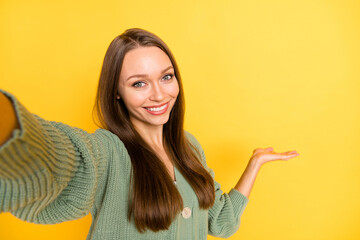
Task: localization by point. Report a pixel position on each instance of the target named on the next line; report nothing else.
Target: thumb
(269, 149)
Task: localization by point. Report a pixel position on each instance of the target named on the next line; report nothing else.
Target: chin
(160, 121)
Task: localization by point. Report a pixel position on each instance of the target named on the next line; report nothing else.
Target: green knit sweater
(51, 172)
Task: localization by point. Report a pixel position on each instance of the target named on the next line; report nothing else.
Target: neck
(153, 135)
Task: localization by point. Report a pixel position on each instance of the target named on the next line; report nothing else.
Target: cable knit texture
(51, 172)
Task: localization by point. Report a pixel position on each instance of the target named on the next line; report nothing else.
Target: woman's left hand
(264, 155)
(259, 157)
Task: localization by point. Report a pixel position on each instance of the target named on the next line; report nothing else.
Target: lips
(158, 109)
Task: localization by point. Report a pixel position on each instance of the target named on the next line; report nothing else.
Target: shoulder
(101, 141)
(109, 138)
(192, 139)
(107, 135)
(195, 144)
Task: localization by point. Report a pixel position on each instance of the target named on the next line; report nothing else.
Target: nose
(156, 93)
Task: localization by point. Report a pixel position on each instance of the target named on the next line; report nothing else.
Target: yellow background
(256, 73)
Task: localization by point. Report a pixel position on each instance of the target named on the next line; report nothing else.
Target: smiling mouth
(158, 110)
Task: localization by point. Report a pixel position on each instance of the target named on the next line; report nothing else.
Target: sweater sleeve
(224, 215)
(48, 170)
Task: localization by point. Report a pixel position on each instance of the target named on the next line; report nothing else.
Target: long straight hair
(154, 199)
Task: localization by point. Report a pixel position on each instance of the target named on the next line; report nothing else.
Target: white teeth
(157, 109)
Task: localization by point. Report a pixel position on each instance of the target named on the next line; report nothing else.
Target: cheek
(175, 90)
(133, 100)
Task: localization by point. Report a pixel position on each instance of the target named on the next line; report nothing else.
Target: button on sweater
(51, 172)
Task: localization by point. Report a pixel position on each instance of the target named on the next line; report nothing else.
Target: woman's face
(148, 86)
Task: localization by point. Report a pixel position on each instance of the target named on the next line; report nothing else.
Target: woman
(141, 177)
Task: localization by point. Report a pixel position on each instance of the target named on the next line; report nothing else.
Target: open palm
(264, 155)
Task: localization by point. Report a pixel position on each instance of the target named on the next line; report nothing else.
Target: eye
(168, 76)
(138, 84)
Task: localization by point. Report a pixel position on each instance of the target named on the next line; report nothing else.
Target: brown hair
(154, 199)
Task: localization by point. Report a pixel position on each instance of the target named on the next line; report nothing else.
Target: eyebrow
(145, 75)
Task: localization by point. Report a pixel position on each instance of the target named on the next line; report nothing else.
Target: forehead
(144, 60)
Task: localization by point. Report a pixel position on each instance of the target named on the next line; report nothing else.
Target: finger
(283, 157)
(290, 152)
(269, 149)
(294, 153)
(285, 154)
(290, 155)
(263, 149)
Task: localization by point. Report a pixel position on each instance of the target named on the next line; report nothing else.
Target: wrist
(255, 163)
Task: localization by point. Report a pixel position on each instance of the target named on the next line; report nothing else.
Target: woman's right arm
(8, 121)
(49, 171)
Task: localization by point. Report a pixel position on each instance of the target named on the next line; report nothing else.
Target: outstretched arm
(259, 157)
(8, 121)
(224, 215)
(49, 171)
